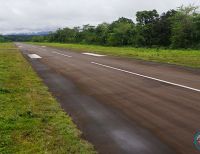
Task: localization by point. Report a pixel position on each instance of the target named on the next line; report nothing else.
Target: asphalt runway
(123, 105)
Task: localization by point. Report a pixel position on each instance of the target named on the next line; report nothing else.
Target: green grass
(190, 58)
(31, 121)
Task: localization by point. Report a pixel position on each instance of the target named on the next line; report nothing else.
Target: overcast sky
(18, 16)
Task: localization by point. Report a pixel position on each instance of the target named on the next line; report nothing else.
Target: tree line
(178, 28)
(16, 38)
(3, 39)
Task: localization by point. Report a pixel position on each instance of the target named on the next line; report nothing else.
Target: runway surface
(123, 105)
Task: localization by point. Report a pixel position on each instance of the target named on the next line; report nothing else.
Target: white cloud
(41, 15)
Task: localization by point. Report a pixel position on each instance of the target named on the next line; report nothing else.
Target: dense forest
(3, 39)
(175, 29)
(16, 38)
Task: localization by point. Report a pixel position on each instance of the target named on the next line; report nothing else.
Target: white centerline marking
(93, 54)
(148, 77)
(62, 54)
(34, 56)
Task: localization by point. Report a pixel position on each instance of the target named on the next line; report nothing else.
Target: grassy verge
(190, 58)
(31, 121)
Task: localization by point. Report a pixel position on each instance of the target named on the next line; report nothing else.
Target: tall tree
(146, 21)
(162, 29)
(146, 17)
(88, 34)
(121, 32)
(102, 33)
(183, 27)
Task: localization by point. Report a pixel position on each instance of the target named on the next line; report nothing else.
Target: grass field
(190, 58)
(31, 121)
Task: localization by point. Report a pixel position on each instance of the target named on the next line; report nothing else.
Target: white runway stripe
(148, 77)
(34, 56)
(93, 54)
(62, 54)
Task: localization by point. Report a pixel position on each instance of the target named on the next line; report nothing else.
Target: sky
(24, 16)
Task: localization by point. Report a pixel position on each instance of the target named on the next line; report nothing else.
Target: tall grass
(31, 121)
